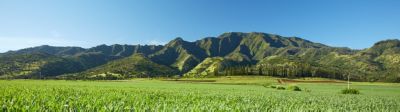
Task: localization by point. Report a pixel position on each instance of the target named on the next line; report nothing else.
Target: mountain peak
(231, 34)
(178, 39)
(176, 42)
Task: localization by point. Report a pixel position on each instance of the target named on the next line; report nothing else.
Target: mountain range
(232, 53)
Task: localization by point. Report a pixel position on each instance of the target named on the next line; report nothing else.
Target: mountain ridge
(246, 50)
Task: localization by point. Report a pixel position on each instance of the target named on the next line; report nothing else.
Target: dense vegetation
(231, 53)
(36, 95)
(135, 66)
(350, 91)
(49, 62)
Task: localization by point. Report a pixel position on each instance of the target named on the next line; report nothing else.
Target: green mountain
(386, 55)
(237, 46)
(233, 53)
(35, 65)
(49, 61)
(102, 54)
(179, 54)
(136, 65)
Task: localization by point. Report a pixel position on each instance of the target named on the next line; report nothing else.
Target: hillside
(49, 61)
(209, 67)
(35, 65)
(136, 65)
(252, 53)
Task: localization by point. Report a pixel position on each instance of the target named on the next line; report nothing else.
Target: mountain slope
(136, 65)
(48, 61)
(209, 67)
(241, 47)
(102, 54)
(256, 46)
(35, 65)
(386, 54)
(232, 53)
(179, 54)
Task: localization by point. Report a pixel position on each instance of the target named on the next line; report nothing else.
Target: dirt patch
(282, 81)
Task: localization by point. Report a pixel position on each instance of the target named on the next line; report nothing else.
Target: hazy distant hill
(233, 53)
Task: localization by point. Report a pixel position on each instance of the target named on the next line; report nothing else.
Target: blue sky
(345, 23)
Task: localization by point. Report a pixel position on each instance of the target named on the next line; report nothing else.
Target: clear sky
(87, 23)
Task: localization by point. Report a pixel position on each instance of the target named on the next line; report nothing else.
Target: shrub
(294, 88)
(273, 86)
(280, 88)
(350, 91)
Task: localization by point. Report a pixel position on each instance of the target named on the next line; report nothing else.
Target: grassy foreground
(217, 95)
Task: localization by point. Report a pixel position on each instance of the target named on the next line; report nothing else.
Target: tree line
(290, 70)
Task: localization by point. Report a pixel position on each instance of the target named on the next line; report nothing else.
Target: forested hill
(233, 53)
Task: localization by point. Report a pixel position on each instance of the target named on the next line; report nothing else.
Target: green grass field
(214, 94)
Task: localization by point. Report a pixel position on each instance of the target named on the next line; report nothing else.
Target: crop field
(219, 94)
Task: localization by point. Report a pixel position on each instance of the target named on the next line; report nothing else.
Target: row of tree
(290, 70)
